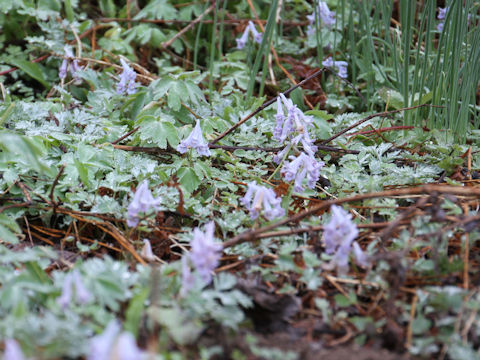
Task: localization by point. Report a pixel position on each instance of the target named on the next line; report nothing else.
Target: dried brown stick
(189, 26)
(369, 117)
(176, 21)
(157, 150)
(55, 182)
(114, 232)
(378, 225)
(264, 106)
(126, 135)
(419, 190)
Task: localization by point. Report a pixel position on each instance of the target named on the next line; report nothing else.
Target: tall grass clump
(404, 53)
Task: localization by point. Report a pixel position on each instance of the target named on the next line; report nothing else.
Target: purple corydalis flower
(326, 17)
(69, 61)
(295, 120)
(242, 40)
(70, 281)
(341, 66)
(101, 344)
(126, 348)
(112, 345)
(300, 167)
(205, 252)
(441, 13)
(127, 80)
(142, 201)
(257, 36)
(194, 140)
(147, 252)
(341, 229)
(13, 351)
(188, 280)
(339, 235)
(258, 197)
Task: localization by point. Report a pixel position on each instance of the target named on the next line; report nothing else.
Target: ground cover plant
(260, 179)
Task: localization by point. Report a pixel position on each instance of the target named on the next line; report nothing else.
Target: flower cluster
(204, 256)
(442, 12)
(265, 198)
(341, 66)
(300, 167)
(326, 16)
(72, 280)
(293, 128)
(127, 80)
(142, 202)
(338, 238)
(194, 140)
(111, 345)
(69, 62)
(242, 40)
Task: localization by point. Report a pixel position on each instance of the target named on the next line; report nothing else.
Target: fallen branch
(369, 117)
(428, 189)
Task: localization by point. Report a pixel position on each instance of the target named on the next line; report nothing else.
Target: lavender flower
(205, 253)
(62, 72)
(101, 345)
(194, 140)
(341, 66)
(69, 62)
(242, 40)
(147, 252)
(300, 167)
(72, 280)
(126, 348)
(295, 120)
(442, 12)
(13, 351)
(188, 280)
(127, 80)
(338, 237)
(257, 36)
(142, 201)
(265, 198)
(326, 16)
(110, 345)
(441, 16)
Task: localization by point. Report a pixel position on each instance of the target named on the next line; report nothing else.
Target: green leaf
(188, 179)
(159, 132)
(134, 312)
(37, 273)
(31, 69)
(177, 91)
(7, 236)
(22, 149)
(82, 172)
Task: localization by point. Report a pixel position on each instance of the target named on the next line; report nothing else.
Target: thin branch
(55, 182)
(420, 190)
(125, 136)
(188, 27)
(176, 21)
(369, 117)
